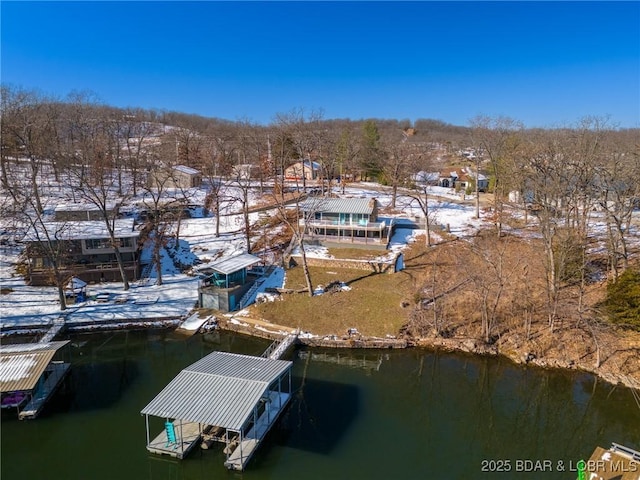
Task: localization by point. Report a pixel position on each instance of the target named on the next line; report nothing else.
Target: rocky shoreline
(523, 357)
(256, 328)
(464, 345)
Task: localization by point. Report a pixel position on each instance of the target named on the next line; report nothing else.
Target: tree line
(563, 176)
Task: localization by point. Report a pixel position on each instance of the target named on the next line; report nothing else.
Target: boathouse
(224, 283)
(29, 376)
(224, 397)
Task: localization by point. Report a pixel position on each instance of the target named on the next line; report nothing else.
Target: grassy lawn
(356, 253)
(373, 305)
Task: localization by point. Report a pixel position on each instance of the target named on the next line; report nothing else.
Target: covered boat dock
(225, 397)
(29, 376)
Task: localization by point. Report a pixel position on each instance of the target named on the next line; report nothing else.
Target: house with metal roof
(224, 397)
(83, 249)
(224, 283)
(339, 221)
(30, 375)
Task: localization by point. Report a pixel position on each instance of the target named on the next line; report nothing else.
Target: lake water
(408, 414)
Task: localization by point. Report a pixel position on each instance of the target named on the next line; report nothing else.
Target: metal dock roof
(221, 389)
(21, 365)
(234, 264)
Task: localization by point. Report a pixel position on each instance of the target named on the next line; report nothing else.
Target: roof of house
(220, 389)
(21, 365)
(339, 205)
(187, 170)
(308, 164)
(80, 230)
(465, 173)
(82, 207)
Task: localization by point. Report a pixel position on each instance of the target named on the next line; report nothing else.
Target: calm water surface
(355, 415)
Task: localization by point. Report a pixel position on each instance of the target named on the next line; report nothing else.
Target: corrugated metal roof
(339, 205)
(187, 170)
(76, 230)
(234, 264)
(220, 389)
(21, 365)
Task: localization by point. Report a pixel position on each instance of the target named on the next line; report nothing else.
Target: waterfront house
(82, 249)
(344, 221)
(224, 283)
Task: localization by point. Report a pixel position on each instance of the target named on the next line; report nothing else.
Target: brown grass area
(460, 274)
(373, 305)
(356, 253)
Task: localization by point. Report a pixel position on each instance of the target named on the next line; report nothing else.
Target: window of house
(126, 242)
(97, 243)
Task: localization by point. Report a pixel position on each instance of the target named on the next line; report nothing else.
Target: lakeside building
(82, 249)
(355, 221)
(225, 284)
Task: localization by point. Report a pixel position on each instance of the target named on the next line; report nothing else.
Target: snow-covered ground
(25, 305)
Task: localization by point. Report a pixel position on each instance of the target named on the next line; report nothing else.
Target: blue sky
(543, 63)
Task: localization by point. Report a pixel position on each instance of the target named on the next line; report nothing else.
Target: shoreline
(466, 345)
(269, 331)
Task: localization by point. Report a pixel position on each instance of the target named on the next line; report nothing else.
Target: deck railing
(349, 225)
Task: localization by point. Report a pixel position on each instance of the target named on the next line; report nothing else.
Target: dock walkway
(56, 327)
(249, 444)
(278, 348)
(187, 436)
(55, 373)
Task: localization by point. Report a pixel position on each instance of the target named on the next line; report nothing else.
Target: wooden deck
(617, 463)
(56, 372)
(188, 435)
(249, 444)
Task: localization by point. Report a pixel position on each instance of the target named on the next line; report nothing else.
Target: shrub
(623, 299)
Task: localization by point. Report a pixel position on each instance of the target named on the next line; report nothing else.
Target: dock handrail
(615, 447)
(278, 347)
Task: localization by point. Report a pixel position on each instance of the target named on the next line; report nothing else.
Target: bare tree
(346, 154)
(305, 137)
(490, 276)
(619, 194)
(396, 165)
(47, 242)
(499, 139)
